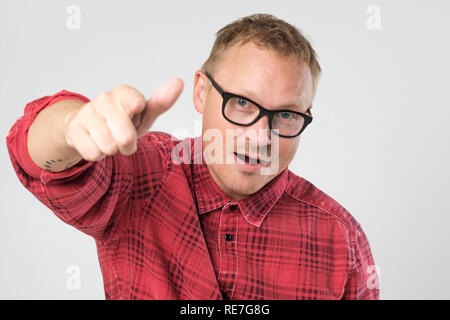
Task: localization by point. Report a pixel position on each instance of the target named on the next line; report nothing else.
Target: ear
(201, 91)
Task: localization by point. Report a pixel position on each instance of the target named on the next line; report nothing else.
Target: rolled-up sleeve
(17, 139)
(91, 196)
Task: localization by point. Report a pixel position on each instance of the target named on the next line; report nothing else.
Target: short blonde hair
(266, 31)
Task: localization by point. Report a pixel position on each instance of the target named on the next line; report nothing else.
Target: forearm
(46, 138)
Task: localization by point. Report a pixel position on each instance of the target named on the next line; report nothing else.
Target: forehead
(265, 76)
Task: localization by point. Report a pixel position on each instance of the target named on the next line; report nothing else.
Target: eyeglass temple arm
(215, 85)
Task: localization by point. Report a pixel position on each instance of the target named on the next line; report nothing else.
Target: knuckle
(92, 154)
(126, 139)
(110, 149)
(102, 96)
(129, 90)
(102, 99)
(122, 87)
(86, 111)
(73, 129)
(102, 140)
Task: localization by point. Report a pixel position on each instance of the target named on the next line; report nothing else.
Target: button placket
(228, 229)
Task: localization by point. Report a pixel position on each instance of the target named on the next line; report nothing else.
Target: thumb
(159, 102)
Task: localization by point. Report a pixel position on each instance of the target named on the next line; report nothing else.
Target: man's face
(274, 82)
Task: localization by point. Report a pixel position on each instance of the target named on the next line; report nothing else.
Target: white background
(379, 142)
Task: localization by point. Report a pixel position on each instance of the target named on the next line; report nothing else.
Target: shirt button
(228, 237)
(233, 207)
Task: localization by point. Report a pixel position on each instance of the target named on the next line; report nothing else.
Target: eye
(285, 115)
(242, 102)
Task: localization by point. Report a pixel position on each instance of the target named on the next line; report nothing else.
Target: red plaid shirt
(164, 230)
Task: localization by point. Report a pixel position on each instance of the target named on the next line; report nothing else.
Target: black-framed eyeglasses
(242, 111)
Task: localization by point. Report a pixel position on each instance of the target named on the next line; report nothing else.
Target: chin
(246, 190)
(240, 183)
(245, 184)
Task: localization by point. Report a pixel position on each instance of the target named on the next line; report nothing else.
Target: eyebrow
(297, 107)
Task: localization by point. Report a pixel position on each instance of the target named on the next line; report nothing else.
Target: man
(204, 227)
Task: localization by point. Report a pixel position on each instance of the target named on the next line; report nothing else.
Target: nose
(262, 129)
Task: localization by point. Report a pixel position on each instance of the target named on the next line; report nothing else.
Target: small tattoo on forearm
(49, 164)
(69, 164)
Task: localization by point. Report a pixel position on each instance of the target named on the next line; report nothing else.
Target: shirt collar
(210, 197)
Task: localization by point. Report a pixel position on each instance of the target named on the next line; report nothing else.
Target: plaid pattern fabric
(164, 230)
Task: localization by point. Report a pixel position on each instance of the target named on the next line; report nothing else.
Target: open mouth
(249, 160)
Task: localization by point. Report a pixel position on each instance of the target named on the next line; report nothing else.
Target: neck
(229, 193)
